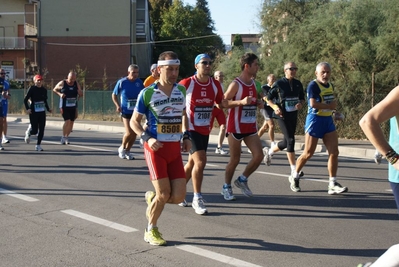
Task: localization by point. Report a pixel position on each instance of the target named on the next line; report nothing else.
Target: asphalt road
(80, 205)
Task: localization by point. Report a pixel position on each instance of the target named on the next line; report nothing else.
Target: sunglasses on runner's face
(206, 62)
(292, 68)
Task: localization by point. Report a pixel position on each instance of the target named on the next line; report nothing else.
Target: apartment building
(14, 47)
(249, 40)
(54, 36)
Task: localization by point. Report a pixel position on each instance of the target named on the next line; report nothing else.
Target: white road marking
(100, 221)
(216, 256)
(286, 175)
(212, 165)
(79, 146)
(16, 195)
(274, 174)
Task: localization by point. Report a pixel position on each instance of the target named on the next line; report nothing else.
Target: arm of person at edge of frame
(135, 124)
(230, 93)
(370, 122)
(186, 143)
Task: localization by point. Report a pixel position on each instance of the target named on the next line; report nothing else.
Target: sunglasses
(3, 73)
(206, 62)
(292, 68)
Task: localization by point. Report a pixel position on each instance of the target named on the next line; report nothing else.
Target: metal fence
(94, 104)
(97, 104)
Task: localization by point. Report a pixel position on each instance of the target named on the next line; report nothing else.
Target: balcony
(15, 43)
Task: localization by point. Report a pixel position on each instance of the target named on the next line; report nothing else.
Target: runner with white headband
(164, 105)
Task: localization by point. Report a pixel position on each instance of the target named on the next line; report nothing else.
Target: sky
(233, 16)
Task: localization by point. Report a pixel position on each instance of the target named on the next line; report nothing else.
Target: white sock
(271, 152)
(197, 196)
(150, 226)
(332, 181)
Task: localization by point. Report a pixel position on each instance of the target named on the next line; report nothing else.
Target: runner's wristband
(390, 153)
(392, 156)
(145, 136)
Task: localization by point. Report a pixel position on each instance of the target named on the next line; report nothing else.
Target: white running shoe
(66, 140)
(5, 140)
(27, 136)
(221, 151)
(244, 187)
(1, 147)
(129, 156)
(121, 152)
(199, 206)
(377, 158)
(62, 141)
(337, 189)
(294, 183)
(228, 193)
(38, 148)
(267, 159)
(183, 204)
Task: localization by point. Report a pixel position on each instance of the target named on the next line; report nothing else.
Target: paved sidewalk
(351, 148)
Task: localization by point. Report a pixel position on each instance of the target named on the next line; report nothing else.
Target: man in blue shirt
(4, 88)
(127, 88)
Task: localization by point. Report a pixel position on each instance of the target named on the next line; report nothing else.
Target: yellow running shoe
(154, 237)
(149, 196)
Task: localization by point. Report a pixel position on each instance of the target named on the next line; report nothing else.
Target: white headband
(168, 62)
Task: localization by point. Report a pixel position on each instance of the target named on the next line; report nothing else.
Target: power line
(141, 43)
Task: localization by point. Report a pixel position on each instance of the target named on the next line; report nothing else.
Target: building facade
(249, 40)
(100, 36)
(14, 48)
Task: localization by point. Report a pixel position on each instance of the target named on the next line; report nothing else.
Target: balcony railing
(15, 43)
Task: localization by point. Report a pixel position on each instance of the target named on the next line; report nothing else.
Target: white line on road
(55, 143)
(97, 220)
(216, 256)
(272, 173)
(16, 195)
(286, 175)
(212, 165)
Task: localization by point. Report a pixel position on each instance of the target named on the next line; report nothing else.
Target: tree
(185, 30)
(237, 42)
(203, 6)
(357, 37)
(157, 8)
(387, 42)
